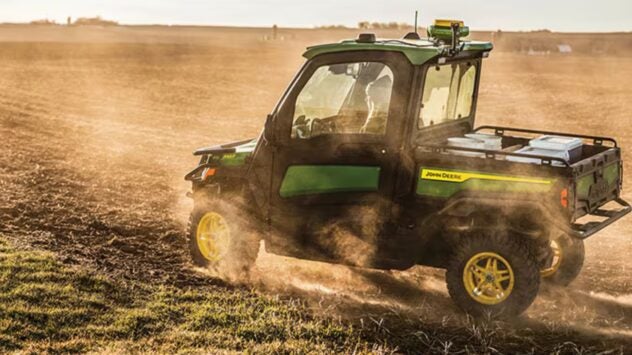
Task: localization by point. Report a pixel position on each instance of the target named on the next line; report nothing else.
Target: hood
(230, 154)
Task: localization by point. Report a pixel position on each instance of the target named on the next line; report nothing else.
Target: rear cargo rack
(585, 230)
(500, 131)
(492, 154)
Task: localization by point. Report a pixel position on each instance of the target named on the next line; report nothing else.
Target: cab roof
(417, 51)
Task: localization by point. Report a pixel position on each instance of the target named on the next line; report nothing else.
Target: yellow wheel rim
(488, 278)
(556, 262)
(213, 236)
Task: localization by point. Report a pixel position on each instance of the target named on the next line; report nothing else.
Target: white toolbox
(542, 152)
(492, 142)
(571, 145)
(464, 142)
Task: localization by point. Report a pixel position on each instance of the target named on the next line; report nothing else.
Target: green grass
(49, 307)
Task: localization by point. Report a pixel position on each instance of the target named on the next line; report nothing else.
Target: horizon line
(314, 27)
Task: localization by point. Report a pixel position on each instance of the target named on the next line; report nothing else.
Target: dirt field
(96, 132)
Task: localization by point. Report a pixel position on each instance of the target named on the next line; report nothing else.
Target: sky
(556, 15)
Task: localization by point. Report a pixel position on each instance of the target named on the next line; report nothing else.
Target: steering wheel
(319, 126)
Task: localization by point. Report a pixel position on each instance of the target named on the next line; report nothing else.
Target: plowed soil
(97, 129)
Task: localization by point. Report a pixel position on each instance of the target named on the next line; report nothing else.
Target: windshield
(448, 93)
(348, 98)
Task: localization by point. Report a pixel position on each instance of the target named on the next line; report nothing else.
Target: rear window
(448, 93)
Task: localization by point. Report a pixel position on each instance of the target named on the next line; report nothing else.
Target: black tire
(571, 261)
(520, 255)
(243, 245)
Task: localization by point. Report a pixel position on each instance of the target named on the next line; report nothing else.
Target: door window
(348, 98)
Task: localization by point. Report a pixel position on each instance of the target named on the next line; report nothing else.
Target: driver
(378, 96)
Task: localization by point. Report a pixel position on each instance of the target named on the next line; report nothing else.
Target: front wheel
(493, 273)
(221, 238)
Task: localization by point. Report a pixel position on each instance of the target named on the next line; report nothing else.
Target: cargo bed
(595, 178)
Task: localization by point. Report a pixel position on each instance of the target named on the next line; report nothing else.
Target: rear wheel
(222, 238)
(565, 261)
(493, 273)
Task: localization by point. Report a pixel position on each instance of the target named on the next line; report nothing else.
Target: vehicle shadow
(412, 309)
(355, 292)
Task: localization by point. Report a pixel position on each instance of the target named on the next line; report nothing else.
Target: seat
(378, 96)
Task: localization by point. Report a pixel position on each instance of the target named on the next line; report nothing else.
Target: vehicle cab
(344, 132)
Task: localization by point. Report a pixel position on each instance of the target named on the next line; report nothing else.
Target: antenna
(413, 35)
(416, 12)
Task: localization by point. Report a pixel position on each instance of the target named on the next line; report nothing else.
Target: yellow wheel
(488, 278)
(556, 260)
(565, 260)
(213, 237)
(222, 238)
(493, 273)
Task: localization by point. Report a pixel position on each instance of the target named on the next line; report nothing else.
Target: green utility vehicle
(362, 163)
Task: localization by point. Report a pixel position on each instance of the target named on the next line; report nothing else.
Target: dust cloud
(97, 135)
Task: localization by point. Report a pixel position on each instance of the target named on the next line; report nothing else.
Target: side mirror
(268, 130)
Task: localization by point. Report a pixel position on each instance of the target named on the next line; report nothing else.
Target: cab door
(338, 140)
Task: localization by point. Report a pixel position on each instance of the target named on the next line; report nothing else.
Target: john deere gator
(375, 141)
